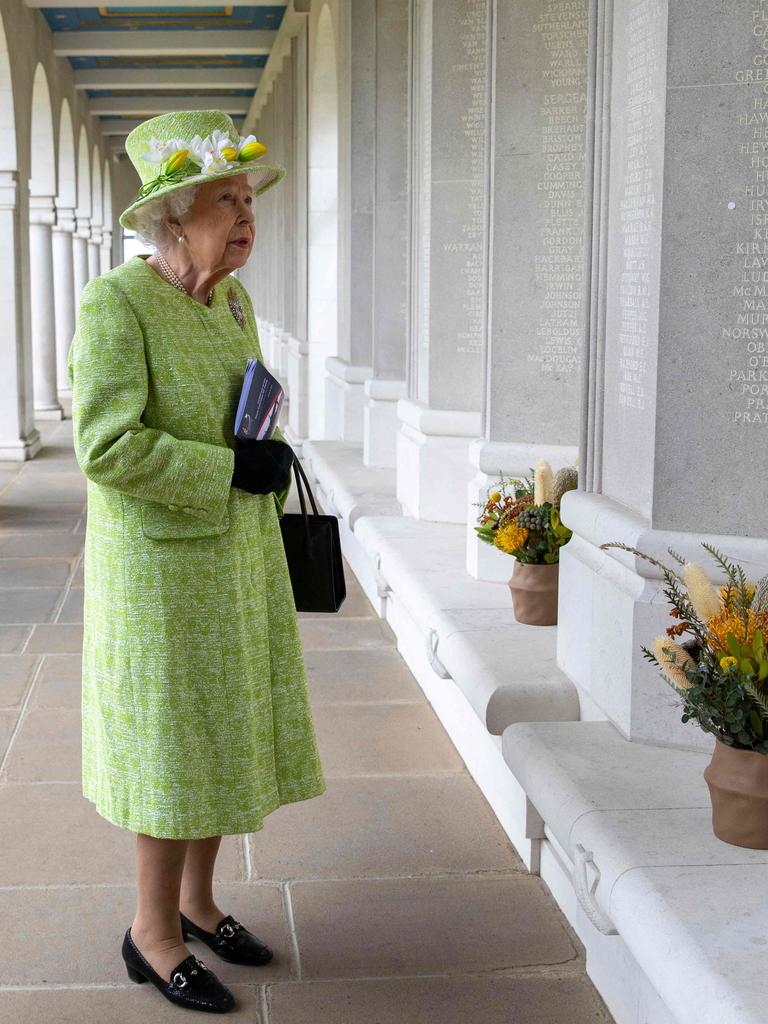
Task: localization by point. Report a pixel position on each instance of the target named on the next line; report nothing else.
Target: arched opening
(42, 179)
(322, 299)
(64, 284)
(82, 213)
(83, 208)
(97, 200)
(42, 195)
(67, 195)
(18, 437)
(106, 211)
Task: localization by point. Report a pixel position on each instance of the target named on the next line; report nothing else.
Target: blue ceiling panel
(237, 60)
(93, 19)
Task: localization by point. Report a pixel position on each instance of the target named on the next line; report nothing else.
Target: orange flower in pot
(721, 674)
(522, 518)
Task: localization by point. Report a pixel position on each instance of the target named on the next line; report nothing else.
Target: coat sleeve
(110, 385)
(280, 496)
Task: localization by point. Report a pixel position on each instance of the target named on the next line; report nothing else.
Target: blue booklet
(261, 400)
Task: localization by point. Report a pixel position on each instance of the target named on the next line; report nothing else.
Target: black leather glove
(261, 466)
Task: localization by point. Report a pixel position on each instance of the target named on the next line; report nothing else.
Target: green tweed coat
(195, 712)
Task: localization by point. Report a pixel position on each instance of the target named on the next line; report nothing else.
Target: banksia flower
(565, 480)
(673, 661)
(704, 596)
(509, 537)
(542, 482)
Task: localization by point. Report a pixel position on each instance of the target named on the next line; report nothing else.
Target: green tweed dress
(195, 711)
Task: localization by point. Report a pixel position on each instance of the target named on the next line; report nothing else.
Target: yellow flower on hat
(250, 148)
(177, 160)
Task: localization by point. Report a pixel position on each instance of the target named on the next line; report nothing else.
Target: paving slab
(123, 1004)
(372, 827)
(46, 748)
(460, 924)
(73, 935)
(438, 1000)
(58, 838)
(59, 682)
(34, 572)
(16, 670)
(324, 634)
(56, 638)
(14, 638)
(359, 739)
(359, 675)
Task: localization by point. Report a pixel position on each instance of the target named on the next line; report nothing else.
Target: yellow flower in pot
(521, 517)
(720, 673)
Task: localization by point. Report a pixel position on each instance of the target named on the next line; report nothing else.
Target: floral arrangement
(522, 517)
(209, 155)
(721, 670)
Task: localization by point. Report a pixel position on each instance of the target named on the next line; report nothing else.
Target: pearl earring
(181, 238)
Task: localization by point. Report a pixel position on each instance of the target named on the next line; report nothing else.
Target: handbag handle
(299, 474)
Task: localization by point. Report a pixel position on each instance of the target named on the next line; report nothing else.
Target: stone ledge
(507, 671)
(666, 884)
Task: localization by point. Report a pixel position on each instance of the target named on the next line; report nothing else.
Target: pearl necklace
(173, 278)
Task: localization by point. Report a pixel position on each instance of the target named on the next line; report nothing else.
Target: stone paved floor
(395, 898)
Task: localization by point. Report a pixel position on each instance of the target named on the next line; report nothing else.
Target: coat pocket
(163, 523)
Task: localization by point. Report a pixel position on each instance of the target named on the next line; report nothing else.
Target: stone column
(63, 295)
(80, 255)
(41, 218)
(19, 438)
(387, 384)
(105, 252)
(94, 256)
(536, 300)
(448, 257)
(676, 427)
(298, 348)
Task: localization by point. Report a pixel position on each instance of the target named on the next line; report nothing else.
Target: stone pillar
(105, 252)
(94, 255)
(387, 384)
(19, 438)
(80, 255)
(676, 427)
(448, 257)
(298, 347)
(43, 321)
(347, 372)
(63, 295)
(536, 300)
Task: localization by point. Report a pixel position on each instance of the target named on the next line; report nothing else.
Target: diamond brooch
(236, 308)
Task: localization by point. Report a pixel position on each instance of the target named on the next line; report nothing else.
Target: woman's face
(218, 228)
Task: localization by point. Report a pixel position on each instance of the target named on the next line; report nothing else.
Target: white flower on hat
(161, 149)
(216, 152)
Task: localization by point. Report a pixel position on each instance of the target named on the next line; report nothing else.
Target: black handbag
(313, 552)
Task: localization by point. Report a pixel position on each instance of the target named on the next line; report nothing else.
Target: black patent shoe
(230, 941)
(191, 984)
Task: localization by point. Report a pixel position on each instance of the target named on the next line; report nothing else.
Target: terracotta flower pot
(534, 593)
(738, 787)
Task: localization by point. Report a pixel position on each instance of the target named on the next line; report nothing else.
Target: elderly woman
(195, 710)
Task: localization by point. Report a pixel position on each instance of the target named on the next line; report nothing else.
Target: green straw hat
(177, 150)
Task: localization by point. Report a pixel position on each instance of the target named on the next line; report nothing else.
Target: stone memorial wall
(537, 278)
(451, 178)
(687, 293)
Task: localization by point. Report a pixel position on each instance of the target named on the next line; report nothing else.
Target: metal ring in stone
(183, 981)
